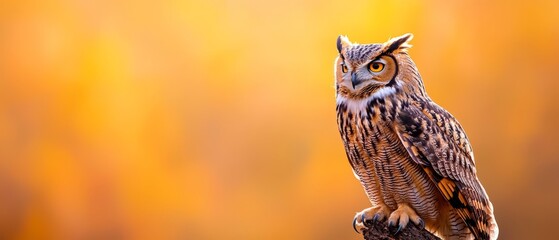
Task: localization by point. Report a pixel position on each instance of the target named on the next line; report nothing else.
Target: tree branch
(381, 231)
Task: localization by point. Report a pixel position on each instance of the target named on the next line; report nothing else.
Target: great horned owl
(412, 157)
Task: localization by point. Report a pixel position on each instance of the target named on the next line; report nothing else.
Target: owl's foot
(377, 213)
(402, 216)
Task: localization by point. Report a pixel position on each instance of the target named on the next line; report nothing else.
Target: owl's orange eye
(344, 68)
(376, 66)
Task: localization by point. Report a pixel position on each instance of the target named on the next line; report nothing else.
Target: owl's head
(363, 70)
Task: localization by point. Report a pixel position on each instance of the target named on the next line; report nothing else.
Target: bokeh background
(216, 119)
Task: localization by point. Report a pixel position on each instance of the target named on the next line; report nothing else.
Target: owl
(412, 157)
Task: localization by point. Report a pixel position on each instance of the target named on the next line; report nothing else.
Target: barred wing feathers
(436, 141)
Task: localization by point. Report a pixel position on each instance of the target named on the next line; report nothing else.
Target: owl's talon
(377, 213)
(402, 216)
(354, 223)
(376, 217)
(359, 222)
(421, 224)
(398, 230)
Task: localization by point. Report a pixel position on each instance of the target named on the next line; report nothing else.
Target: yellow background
(216, 119)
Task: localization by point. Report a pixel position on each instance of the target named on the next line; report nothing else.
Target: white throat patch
(358, 105)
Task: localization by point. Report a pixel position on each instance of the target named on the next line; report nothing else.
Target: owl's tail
(478, 212)
(470, 202)
(493, 228)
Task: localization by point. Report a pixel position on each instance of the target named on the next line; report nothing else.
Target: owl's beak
(354, 80)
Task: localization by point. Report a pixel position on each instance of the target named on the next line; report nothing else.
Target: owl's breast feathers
(434, 140)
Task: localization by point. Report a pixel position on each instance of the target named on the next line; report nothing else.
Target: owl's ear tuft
(342, 43)
(398, 44)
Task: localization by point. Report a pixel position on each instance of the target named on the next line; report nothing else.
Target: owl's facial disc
(363, 70)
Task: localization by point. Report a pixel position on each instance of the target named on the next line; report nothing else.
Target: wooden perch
(381, 231)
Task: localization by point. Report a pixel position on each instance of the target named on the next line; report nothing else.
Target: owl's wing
(437, 142)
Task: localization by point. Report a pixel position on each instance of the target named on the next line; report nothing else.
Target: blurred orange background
(216, 119)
